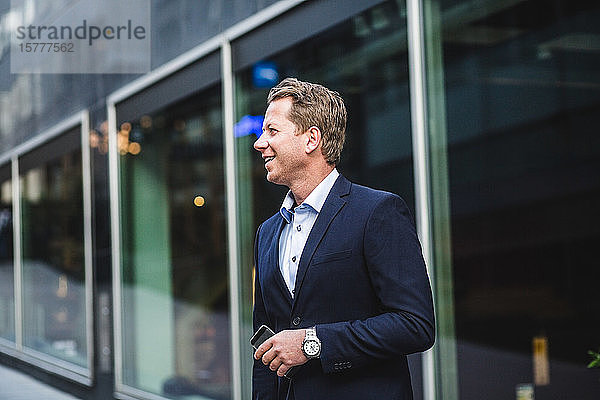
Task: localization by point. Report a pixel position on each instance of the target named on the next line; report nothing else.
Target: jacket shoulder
(370, 197)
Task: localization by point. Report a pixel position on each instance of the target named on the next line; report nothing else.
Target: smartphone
(263, 333)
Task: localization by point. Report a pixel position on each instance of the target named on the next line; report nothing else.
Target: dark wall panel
(302, 22)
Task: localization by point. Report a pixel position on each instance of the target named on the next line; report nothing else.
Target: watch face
(311, 348)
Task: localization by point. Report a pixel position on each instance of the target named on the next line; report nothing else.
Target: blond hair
(315, 105)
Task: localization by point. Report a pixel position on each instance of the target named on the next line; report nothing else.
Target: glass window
(522, 82)
(7, 292)
(53, 250)
(365, 60)
(175, 292)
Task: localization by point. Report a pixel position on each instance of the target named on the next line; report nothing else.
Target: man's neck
(305, 187)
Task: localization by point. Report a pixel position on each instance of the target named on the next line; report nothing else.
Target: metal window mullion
(232, 223)
(416, 59)
(87, 239)
(18, 265)
(445, 350)
(113, 172)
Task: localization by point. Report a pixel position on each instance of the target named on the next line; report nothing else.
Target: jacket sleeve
(264, 381)
(398, 275)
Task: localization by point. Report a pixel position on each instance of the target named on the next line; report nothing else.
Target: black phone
(260, 336)
(263, 333)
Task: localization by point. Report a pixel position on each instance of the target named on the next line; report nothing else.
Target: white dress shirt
(299, 222)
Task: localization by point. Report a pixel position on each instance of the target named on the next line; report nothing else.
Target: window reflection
(522, 89)
(52, 256)
(7, 301)
(176, 336)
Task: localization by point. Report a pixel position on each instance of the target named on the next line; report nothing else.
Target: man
(339, 271)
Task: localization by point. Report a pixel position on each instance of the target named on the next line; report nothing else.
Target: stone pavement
(14, 385)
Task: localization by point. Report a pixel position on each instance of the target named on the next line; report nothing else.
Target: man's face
(282, 150)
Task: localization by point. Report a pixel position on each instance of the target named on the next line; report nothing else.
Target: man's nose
(261, 143)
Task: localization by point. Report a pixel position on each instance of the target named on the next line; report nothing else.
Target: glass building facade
(129, 204)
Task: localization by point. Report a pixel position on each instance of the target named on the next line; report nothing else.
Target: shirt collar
(315, 199)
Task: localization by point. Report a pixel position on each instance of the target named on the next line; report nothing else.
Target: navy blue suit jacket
(362, 282)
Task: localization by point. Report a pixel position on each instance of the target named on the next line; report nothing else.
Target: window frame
(165, 87)
(41, 142)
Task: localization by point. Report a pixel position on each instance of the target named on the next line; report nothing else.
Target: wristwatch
(311, 345)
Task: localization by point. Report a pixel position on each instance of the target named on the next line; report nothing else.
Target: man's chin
(271, 177)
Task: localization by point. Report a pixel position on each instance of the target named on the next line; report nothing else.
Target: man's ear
(313, 139)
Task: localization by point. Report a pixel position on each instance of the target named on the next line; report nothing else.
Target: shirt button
(299, 227)
(296, 321)
(294, 259)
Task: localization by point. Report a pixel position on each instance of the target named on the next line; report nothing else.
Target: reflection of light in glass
(61, 316)
(94, 139)
(379, 19)
(68, 347)
(123, 142)
(361, 27)
(179, 125)
(33, 185)
(6, 193)
(63, 287)
(103, 148)
(9, 23)
(134, 148)
(5, 219)
(265, 74)
(249, 124)
(199, 201)
(101, 138)
(126, 126)
(146, 122)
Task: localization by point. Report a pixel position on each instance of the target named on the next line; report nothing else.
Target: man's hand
(283, 351)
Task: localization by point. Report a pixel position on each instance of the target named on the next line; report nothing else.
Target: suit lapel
(332, 206)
